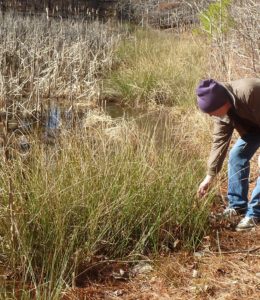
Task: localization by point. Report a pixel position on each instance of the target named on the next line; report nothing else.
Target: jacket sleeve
(222, 134)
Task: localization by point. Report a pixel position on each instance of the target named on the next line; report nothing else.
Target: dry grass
(53, 58)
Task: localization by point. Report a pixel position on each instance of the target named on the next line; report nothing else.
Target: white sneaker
(247, 223)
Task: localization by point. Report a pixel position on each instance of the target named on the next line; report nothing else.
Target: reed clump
(90, 195)
(156, 67)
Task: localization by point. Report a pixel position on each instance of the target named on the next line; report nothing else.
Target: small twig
(218, 243)
(237, 251)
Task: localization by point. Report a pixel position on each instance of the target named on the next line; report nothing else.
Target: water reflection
(56, 116)
(53, 120)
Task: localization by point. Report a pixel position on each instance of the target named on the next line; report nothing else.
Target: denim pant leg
(239, 168)
(254, 204)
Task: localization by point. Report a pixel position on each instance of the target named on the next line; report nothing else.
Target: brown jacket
(244, 117)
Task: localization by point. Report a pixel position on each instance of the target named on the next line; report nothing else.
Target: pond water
(56, 116)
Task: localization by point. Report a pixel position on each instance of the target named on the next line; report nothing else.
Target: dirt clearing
(227, 266)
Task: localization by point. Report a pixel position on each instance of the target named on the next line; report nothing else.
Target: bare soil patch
(227, 266)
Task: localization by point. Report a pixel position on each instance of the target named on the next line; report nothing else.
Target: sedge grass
(156, 67)
(92, 195)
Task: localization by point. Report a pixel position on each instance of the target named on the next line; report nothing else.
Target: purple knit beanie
(211, 95)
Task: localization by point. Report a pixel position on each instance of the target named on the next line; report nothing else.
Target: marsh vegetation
(106, 188)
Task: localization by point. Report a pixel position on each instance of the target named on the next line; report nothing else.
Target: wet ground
(55, 117)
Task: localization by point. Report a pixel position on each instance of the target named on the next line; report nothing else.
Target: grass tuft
(92, 195)
(156, 67)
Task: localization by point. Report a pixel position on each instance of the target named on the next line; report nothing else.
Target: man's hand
(204, 186)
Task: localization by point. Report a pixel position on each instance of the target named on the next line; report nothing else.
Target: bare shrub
(234, 33)
(247, 34)
(159, 13)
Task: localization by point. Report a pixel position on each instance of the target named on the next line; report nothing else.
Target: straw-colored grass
(156, 67)
(53, 58)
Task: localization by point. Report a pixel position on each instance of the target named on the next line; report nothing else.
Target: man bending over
(234, 105)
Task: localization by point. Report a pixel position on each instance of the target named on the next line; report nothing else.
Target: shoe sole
(245, 229)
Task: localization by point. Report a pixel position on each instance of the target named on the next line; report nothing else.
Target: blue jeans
(238, 175)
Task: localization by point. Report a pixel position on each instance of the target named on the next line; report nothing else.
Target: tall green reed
(95, 194)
